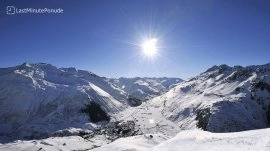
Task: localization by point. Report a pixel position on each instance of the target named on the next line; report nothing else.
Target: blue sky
(99, 35)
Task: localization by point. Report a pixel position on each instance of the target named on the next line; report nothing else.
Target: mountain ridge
(40, 94)
(222, 99)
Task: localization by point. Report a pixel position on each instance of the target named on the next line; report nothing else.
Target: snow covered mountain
(40, 98)
(146, 88)
(42, 101)
(222, 99)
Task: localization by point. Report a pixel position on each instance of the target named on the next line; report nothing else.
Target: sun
(150, 47)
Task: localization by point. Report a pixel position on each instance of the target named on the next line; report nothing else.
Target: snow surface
(149, 119)
(192, 140)
(53, 144)
(188, 140)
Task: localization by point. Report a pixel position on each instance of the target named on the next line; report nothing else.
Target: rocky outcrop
(95, 112)
(114, 130)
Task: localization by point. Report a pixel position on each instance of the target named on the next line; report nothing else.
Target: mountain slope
(222, 99)
(40, 98)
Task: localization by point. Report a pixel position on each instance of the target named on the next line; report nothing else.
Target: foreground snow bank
(201, 140)
(53, 144)
(191, 140)
(135, 143)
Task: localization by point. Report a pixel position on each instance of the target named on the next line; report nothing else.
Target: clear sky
(104, 36)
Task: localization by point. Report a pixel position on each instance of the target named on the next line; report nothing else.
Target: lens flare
(149, 47)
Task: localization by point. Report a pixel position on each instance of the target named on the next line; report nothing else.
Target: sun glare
(150, 47)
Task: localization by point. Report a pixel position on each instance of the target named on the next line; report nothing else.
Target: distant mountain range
(146, 88)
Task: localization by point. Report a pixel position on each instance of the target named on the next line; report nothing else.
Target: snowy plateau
(43, 107)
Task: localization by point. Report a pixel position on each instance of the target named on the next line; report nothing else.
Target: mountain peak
(221, 68)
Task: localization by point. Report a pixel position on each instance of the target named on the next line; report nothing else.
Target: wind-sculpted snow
(222, 99)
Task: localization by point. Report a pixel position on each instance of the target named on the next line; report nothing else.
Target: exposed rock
(115, 130)
(95, 112)
(202, 117)
(133, 102)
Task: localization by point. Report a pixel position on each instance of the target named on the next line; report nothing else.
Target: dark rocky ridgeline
(95, 112)
(114, 130)
(229, 116)
(240, 74)
(262, 85)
